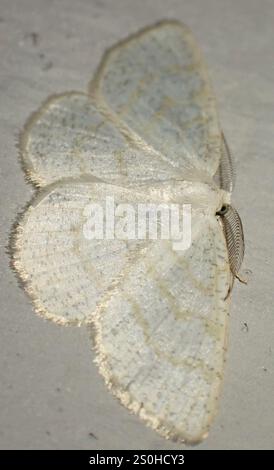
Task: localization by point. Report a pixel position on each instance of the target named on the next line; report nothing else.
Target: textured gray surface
(51, 394)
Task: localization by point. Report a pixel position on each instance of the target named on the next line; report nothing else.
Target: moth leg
(241, 279)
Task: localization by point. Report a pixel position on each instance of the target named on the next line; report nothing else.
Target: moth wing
(161, 338)
(156, 82)
(70, 137)
(66, 272)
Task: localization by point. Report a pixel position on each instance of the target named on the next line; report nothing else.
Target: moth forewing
(147, 128)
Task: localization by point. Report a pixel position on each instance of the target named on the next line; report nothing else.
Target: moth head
(224, 203)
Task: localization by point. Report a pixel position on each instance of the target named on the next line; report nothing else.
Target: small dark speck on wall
(34, 37)
(47, 66)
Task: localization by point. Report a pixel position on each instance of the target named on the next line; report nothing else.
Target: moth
(147, 130)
